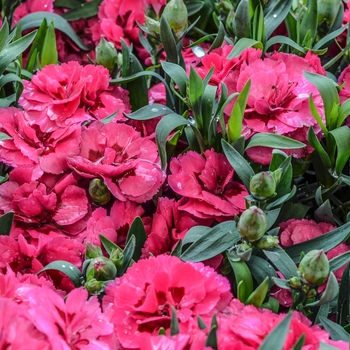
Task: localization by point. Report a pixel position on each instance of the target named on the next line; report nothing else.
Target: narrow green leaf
(196, 88)
(84, 10)
(326, 242)
(315, 143)
(108, 244)
(177, 74)
(238, 163)
(212, 340)
(260, 268)
(309, 22)
(278, 202)
(243, 44)
(212, 242)
(69, 4)
(194, 233)
(259, 294)
(34, 20)
(6, 221)
(201, 323)
(128, 254)
(336, 331)
(300, 343)
(174, 325)
(219, 38)
(316, 115)
(241, 22)
(68, 269)
(49, 54)
(276, 339)
(280, 39)
(168, 41)
(343, 305)
(266, 139)
(4, 33)
(177, 250)
(137, 230)
(324, 213)
(341, 137)
(149, 112)
(329, 38)
(330, 292)
(344, 112)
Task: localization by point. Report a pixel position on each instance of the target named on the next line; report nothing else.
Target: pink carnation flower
(128, 163)
(297, 231)
(207, 183)
(140, 301)
(29, 146)
(278, 99)
(31, 6)
(64, 206)
(59, 96)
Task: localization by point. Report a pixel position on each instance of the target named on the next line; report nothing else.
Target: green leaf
(277, 337)
(6, 221)
(34, 20)
(243, 278)
(327, 89)
(241, 22)
(324, 213)
(283, 263)
(149, 112)
(177, 250)
(259, 294)
(108, 244)
(309, 23)
(324, 346)
(275, 15)
(300, 343)
(49, 54)
(194, 233)
(137, 230)
(11, 51)
(165, 126)
(341, 137)
(219, 38)
(329, 38)
(260, 268)
(316, 115)
(68, 269)
(4, 33)
(343, 305)
(265, 139)
(280, 39)
(84, 10)
(336, 331)
(344, 112)
(201, 323)
(168, 41)
(326, 242)
(278, 202)
(195, 92)
(315, 143)
(174, 325)
(69, 4)
(238, 163)
(128, 254)
(212, 340)
(212, 242)
(330, 292)
(177, 74)
(243, 44)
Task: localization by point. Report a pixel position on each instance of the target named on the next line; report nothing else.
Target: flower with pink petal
(63, 95)
(141, 300)
(207, 183)
(31, 6)
(128, 164)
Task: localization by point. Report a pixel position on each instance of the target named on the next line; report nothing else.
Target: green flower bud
(314, 268)
(263, 185)
(92, 251)
(327, 10)
(294, 283)
(268, 242)
(252, 224)
(106, 54)
(102, 269)
(153, 26)
(99, 192)
(94, 287)
(117, 258)
(175, 12)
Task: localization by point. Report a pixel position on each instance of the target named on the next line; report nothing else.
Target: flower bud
(327, 10)
(175, 12)
(268, 242)
(102, 269)
(106, 54)
(153, 26)
(252, 224)
(99, 192)
(117, 258)
(94, 287)
(314, 267)
(294, 283)
(92, 251)
(263, 185)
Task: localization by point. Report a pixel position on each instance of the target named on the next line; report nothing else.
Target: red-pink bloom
(77, 323)
(297, 231)
(29, 146)
(159, 342)
(118, 19)
(59, 96)
(141, 300)
(207, 183)
(64, 206)
(278, 99)
(31, 6)
(248, 326)
(344, 78)
(128, 163)
(157, 5)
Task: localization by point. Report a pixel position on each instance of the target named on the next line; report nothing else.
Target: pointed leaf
(137, 230)
(259, 294)
(177, 74)
(6, 221)
(128, 254)
(336, 331)
(273, 141)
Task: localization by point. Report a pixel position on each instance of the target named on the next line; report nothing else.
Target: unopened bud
(263, 185)
(252, 224)
(175, 12)
(99, 192)
(268, 242)
(117, 258)
(327, 10)
(294, 283)
(152, 25)
(106, 54)
(92, 251)
(94, 287)
(314, 267)
(102, 269)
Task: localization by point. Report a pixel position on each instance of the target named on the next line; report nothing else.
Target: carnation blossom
(207, 183)
(45, 152)
(62, 95)
(128, 164)
(141, 300)
(31, 6)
